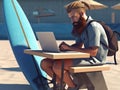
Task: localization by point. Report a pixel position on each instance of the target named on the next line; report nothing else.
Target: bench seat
(89, 68)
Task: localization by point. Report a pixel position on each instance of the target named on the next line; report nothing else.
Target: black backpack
(112, 39)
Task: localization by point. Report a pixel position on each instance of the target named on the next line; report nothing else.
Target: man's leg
(47, 66)
(57, 69)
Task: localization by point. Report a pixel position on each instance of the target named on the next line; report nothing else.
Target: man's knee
(57, 66)
(45, 63)
(42, 64)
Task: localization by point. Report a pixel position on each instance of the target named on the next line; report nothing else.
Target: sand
(12, 78)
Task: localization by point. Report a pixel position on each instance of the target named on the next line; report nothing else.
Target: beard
(78, 27)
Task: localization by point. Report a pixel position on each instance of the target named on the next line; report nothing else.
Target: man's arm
(92, 50)
(78, 47)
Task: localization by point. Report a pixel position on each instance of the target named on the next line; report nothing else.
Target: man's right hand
(64, 47)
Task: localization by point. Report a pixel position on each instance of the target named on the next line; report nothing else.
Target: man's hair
(80, 5)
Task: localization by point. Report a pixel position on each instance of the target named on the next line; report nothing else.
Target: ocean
(62, 31)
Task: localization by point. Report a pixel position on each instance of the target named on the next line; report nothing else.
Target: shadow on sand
(15, 87)
(17, 69)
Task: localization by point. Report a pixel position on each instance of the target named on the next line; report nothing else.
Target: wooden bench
(89, 68)
(90, 77)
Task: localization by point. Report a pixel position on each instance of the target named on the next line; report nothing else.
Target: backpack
(112, 39)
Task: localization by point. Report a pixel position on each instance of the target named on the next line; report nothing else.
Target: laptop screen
(47, 41)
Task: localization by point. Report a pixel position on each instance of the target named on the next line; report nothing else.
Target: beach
(12, 78)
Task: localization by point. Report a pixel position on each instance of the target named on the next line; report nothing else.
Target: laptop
(47, 41)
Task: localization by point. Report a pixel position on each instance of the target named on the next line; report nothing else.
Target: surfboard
(21, 37)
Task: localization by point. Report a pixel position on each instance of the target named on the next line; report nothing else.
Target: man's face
(74, 15)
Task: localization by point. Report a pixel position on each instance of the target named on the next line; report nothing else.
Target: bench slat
(89, 68)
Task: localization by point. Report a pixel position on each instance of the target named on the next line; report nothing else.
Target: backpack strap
(87, 27)
(90, 22)
(115, 61)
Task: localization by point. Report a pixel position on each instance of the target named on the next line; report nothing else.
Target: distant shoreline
(62, 31)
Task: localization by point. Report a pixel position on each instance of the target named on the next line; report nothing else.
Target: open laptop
(47, 41)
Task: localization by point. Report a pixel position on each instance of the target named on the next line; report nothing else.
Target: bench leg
(91, 81)
(83, 81)
(98, 80)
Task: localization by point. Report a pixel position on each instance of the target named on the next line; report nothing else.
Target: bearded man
(90, 37)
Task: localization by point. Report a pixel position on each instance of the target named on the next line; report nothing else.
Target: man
(90, 37)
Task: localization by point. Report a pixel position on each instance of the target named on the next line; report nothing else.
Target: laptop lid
(47, 41)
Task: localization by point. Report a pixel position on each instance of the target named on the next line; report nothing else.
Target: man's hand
(64, 47)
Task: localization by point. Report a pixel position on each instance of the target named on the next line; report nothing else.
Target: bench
(90, 77)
